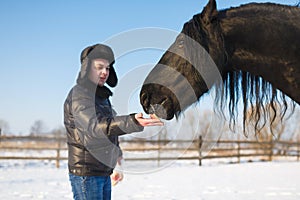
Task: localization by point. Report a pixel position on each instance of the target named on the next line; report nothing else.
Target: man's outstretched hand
(152, 121)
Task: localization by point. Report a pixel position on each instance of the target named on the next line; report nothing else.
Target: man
(93, 127)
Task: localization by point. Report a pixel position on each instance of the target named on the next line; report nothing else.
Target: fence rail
(55, 148)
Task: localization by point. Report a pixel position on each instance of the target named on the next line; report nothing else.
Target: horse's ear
(209, 12)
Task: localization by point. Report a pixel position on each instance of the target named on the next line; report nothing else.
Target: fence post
(58, 152)
(239, 151)
(200, 141)
(271, 146)
(158, 153)
(298, 150)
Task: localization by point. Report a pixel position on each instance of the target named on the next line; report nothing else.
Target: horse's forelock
(196, 30)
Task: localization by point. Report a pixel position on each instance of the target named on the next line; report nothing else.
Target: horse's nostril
(144, 99)
(143, 96)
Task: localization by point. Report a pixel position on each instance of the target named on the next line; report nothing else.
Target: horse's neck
(267, 47)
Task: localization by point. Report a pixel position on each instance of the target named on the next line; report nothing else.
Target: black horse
(254, 50)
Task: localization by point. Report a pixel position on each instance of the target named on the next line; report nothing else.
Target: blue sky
(41, 42)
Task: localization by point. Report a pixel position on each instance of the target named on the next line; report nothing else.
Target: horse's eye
(180, 43)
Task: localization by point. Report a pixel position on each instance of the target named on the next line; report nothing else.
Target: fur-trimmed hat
(94, 52)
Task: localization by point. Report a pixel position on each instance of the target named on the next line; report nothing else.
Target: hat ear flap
(112, 78)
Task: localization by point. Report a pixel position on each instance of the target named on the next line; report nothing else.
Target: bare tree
(272, 125)
(4, 127)
(59, 132)
(204, 123)
(294, 129)
(37, 128)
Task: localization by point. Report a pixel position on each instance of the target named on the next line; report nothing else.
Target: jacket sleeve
(118, 143)
(86, 119)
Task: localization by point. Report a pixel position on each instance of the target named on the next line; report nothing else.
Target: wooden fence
(33, 148)
(55, 148)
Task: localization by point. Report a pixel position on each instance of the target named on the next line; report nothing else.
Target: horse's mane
(261, 102)
(254, 93)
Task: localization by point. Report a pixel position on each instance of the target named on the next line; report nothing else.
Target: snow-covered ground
(179, 181)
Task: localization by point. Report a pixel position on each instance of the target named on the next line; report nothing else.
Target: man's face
(99, 71)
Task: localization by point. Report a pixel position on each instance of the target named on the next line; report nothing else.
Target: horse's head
(186, 70)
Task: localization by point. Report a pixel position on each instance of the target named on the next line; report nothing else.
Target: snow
(177, 181)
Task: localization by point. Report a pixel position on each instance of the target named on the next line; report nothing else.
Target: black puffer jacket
(93, 130)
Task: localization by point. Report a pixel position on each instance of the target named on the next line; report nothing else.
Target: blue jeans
(90, 187)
